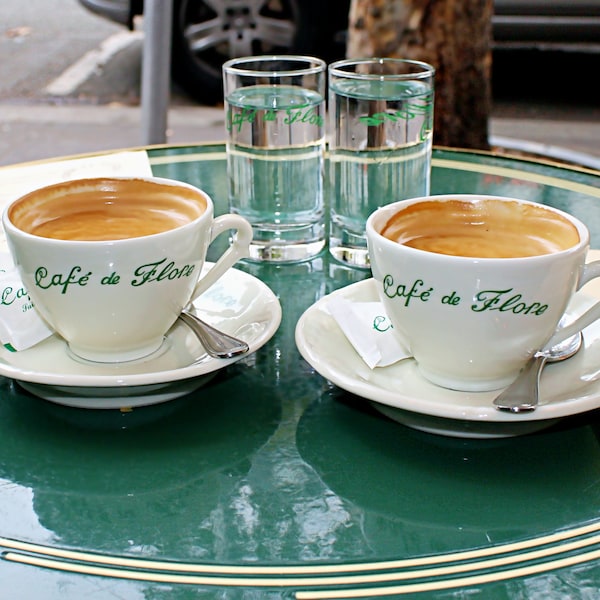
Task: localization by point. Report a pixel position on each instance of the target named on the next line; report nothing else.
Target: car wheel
(208, 32)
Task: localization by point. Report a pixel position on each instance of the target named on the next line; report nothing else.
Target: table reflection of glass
(270, 482)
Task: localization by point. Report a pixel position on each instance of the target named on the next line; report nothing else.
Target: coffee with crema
(104, 210)
(485, 228)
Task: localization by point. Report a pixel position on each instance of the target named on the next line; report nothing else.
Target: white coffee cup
(469, 304)
(113, 283)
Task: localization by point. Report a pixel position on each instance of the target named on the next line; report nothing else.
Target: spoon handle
(216, 343)
(522, 394)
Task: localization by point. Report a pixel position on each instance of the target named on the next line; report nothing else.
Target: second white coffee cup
(476, 284)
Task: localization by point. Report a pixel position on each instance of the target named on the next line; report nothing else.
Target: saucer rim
(452, 410)
(270, 307)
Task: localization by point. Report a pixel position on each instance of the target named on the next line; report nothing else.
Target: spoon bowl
(522, 395)
(217, 344)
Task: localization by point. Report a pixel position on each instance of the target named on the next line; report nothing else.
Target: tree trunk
(452, 35)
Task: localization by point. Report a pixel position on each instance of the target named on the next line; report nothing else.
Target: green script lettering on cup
(411, 110)
(301, 115)
(158, 271)
(45, 281)
(10, 295)
(500, 300)
(111, 279)
(391, 290)
(246, 116)
(270, 115)
(451, 299)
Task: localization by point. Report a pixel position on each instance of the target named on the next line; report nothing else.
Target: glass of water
(275, 119)
(381, 129)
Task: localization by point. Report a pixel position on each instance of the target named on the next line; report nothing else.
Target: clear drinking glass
(275, 119)
(381, 129)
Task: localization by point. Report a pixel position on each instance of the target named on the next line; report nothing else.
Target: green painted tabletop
(270, 482)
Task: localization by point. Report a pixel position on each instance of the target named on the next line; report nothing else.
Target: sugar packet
(369, 330)
(21, 326)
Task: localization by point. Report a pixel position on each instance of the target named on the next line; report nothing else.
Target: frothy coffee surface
(481, 229)
(107, 209)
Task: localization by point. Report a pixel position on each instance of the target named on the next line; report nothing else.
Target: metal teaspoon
(522, 394)
(216, 343)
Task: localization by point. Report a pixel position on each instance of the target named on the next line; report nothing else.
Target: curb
(547, 151)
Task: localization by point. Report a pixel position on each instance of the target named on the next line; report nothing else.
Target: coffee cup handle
(590, 271)
(240, 248)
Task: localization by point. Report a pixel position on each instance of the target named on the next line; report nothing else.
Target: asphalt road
(56, 52)
(40, 39)
(70, 83)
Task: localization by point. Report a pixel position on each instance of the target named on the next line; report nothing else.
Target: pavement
(32, 132)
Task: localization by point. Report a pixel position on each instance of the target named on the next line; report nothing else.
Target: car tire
(206, 33)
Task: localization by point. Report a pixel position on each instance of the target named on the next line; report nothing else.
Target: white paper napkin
(18, 180)
(369, 330)
(21, 326)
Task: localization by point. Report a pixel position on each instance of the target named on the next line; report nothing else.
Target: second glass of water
(381, 128)
(275, 119)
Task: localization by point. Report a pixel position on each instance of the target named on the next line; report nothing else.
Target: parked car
(205, 33)
(547, 24)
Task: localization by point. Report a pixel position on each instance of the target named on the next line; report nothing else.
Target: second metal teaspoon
(523, 393)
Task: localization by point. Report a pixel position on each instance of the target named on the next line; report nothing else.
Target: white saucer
(238, 303)
(401, 393)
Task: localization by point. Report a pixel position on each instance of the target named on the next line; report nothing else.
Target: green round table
(270, 482)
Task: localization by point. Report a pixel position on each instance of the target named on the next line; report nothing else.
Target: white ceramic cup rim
(379, 217)
(207, 214)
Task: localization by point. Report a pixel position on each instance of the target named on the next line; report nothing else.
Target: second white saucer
(400, 392)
